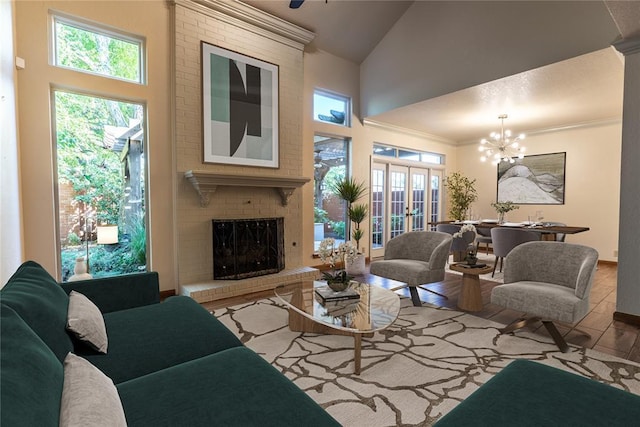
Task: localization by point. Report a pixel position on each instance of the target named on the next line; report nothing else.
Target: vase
(501, 217)
(356, 266)
(338, 281)
(338, 285)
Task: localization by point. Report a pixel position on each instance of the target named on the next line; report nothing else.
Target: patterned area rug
(412, 373)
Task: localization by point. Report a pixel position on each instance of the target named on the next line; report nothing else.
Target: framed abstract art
(533, 180)
(239, 109)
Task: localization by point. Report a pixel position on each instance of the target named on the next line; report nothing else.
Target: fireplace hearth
(245, 248)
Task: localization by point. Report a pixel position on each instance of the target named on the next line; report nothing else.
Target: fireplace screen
(247, 247)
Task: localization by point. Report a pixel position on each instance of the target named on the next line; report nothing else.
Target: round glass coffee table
(375, 309)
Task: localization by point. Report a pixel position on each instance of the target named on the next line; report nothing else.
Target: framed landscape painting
(533, 180)
(239, 108)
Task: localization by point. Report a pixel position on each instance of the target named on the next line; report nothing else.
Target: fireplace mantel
(206, 183)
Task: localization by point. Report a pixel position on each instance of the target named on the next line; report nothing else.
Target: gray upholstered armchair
(549, 281)
(415, 258)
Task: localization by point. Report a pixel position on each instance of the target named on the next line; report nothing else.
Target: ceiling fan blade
(294, 4)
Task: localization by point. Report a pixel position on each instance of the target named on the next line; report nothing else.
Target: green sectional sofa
(527, 393)
(172, 362)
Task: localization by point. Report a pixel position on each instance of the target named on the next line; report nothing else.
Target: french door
(403, 198)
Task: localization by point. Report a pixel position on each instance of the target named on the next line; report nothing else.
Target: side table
(470, 298)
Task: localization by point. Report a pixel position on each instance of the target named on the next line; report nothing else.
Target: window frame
(337, 96)
(56, 17)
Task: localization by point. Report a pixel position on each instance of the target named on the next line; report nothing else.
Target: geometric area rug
(415, 371)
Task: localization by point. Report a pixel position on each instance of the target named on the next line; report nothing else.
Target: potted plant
(462, 194)
(502, 208)
(349, 190)
(338, 279)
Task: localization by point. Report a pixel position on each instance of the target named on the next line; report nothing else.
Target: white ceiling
(584, 89)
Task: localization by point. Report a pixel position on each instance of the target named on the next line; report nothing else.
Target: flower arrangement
(333, 256)
(504, 207)
(464, 229)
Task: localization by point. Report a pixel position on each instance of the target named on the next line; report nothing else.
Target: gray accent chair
(504, 239)
(415, 258)
(549, 281)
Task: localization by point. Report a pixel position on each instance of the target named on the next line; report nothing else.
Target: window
(330, 164)
(89, 48)
(101, 184)
(331, 108)
(418, 156)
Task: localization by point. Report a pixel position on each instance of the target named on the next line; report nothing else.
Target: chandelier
(501, 146)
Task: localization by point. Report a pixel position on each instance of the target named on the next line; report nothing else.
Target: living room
(180, 226)
(167, 222)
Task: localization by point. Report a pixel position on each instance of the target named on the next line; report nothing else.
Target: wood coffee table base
(300, 323)
(470, 298)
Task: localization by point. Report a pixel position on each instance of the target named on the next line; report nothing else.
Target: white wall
(592, 183)
(10, 221)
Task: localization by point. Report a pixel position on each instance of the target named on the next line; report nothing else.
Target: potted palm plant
(350, 190)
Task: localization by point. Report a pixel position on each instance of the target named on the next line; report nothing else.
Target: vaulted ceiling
(545, 64)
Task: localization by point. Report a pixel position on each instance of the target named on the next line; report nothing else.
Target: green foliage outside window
(95, 52)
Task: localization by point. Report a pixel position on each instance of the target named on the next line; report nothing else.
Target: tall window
(330, 164)
(100, 154)
(90, 48)
(101, 208)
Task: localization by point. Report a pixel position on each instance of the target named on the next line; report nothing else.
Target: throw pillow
(89, 397)
(85, 321)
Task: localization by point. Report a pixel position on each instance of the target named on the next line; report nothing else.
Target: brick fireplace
(222, 191)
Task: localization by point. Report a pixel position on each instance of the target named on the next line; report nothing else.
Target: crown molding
(579, 125)
(628, 46)
(251, 19)
(412, 132)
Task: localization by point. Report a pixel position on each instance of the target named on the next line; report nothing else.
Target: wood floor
(607, 336)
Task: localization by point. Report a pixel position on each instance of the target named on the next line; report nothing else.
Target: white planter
(318, 231)
(357, 266)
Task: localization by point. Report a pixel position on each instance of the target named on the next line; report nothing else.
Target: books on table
(327, 294)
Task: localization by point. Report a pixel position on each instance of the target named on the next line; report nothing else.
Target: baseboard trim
(604, 262)
(166, 294)
(630, 319)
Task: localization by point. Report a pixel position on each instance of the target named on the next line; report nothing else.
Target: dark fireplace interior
(245, 248)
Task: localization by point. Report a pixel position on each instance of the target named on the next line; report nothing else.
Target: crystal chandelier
(501, 146)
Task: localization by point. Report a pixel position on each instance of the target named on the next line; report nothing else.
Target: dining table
(547, 231)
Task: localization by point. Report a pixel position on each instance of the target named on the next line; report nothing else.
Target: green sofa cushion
(150, 338)
(117, 293)
(527, 393)
(235, 387)
(42, 303)
(31, 376)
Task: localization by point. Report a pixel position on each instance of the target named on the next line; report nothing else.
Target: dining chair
(549, 281)
(458, 244)
(483, 237)
(504, 239)
(415, 258)
(559, 236)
